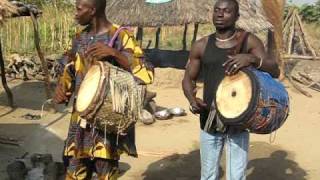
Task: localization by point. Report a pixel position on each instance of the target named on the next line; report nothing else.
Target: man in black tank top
(216, 56)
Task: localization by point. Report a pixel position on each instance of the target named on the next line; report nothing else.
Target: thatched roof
(179, 12)
(6, 9)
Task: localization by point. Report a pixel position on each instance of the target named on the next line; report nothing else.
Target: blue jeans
(211, 146)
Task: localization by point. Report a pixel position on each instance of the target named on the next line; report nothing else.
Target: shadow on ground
(266, 162)
(27, 94)
(32, 139)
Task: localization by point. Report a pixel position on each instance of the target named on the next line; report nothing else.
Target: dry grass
(313, 35)
(56, 28)
(171, 37)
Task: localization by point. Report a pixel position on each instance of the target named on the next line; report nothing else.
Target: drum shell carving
(268, 108)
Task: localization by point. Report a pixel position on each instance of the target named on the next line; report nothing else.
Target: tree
(310, 13)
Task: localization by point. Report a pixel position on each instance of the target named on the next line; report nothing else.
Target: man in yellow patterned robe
(87, 151)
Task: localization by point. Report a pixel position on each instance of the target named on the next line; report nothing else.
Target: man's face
(84, 12)
(224, 14)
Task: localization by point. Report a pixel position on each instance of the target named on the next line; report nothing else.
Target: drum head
(88, 88)
(234, 96)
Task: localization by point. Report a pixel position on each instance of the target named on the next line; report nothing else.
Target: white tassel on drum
(117, 104)
(123, 100)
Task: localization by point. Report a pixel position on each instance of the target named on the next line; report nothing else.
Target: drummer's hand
(237, 62)
(197, 106)
(60, 96)
(99, 51)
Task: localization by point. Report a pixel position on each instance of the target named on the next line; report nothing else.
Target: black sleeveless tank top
(213, 72)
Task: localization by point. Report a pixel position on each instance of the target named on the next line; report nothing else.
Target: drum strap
(219, 126)
(116, 35)
(214, 123)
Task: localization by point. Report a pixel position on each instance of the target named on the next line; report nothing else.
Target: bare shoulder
(200, 45)
(201, 42)
(254, 40)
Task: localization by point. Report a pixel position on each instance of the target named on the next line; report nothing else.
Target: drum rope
(48, 101)
(105, 134)
(118, 132)
(94, 126)
(272, 139)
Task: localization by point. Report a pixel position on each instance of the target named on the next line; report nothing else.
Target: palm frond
(274, 11)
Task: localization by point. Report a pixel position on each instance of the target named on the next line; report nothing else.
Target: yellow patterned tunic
(88, 142)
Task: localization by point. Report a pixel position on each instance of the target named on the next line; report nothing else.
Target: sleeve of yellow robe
(135, 56)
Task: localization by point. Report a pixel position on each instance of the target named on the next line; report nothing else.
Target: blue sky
(302, 1)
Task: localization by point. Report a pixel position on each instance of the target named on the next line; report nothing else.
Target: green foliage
(310, 13)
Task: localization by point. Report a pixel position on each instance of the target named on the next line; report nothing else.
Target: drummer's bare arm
(99, 51)
(191, 74)
(257, 57)
(262, 60)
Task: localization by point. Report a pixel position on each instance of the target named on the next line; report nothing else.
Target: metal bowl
(146, 117)
(177, 111)
(163, 114)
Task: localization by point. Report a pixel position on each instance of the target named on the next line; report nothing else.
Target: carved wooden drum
(254, 100)
(109, 98)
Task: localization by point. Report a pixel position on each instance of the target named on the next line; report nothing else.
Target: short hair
(100, 5)
(236, 5)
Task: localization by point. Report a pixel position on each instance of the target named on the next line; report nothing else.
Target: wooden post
(41, 56)
(184, 40)
(302, 44)
(148, 45)
(195, 32)
(271, 46)
(287, 19)
(305, 35)
(301, 57)
(157, 38)
(140, 35)
(3, 78)
(291, 36)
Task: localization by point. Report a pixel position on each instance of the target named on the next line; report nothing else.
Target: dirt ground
(168, 150)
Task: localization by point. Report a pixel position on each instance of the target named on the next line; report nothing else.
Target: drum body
(252, 99)
(109, 98)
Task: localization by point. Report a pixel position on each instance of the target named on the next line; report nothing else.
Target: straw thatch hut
(141, 14)
(6, 9)
(180, 12)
